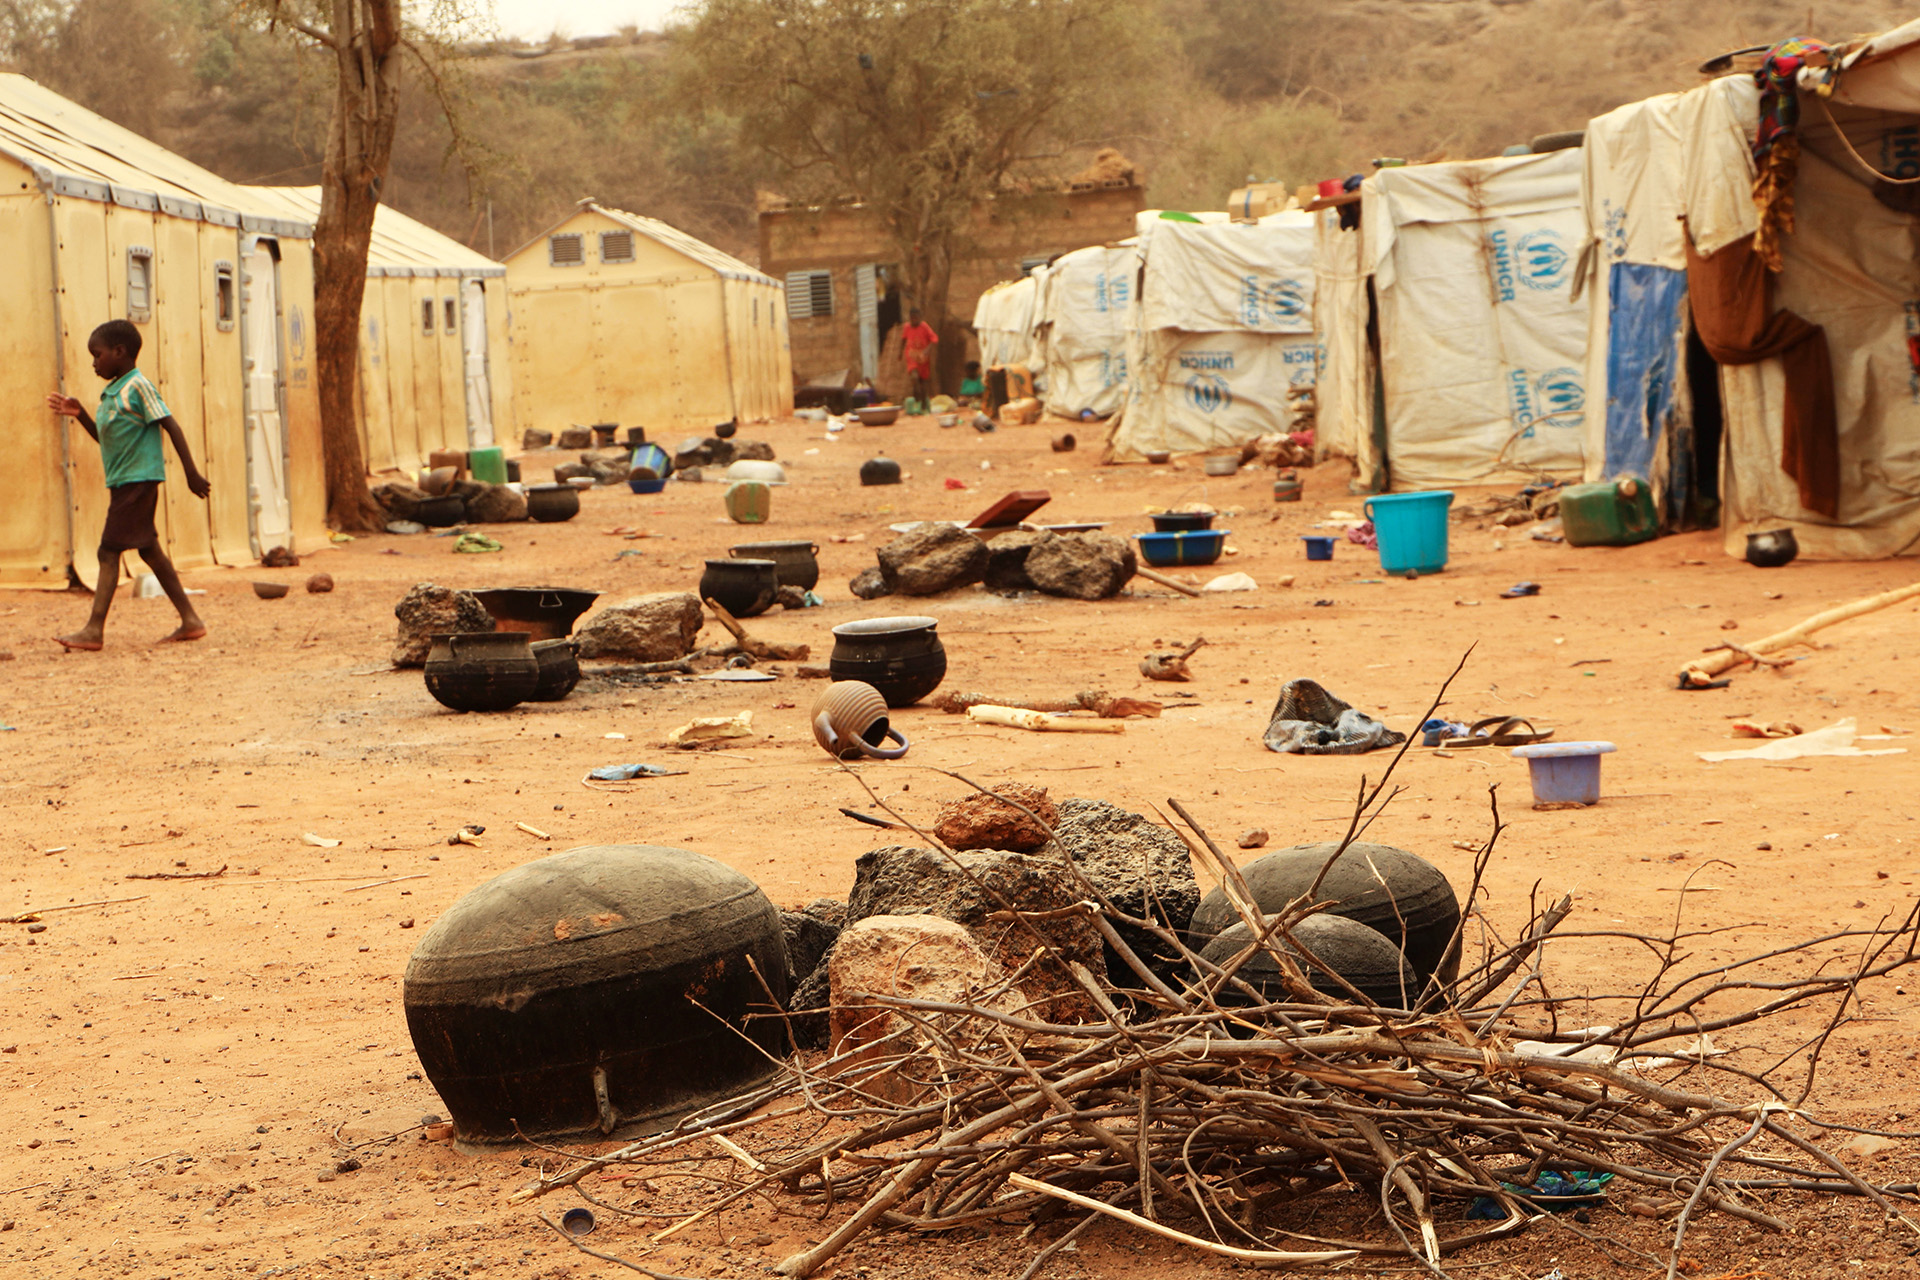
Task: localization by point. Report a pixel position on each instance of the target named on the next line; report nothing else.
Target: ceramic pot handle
(886, 753)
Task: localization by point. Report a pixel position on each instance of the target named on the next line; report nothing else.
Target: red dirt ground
(178, 1064)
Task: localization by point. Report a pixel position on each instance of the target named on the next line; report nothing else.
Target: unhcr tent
(1482, 346)
(620, 318)
(97, 223)
(1080, 328)
(1348, 423)
(1845, 480)
(1221, 328)
(433, 340)
(1003, 321)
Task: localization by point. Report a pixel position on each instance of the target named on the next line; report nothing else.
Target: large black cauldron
(1419, 915)
(560, 997)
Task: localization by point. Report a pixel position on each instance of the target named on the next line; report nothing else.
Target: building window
(223, 295)
(426, 317)
(616, 246)
(567, 250)
(452, 315)
(809, 293)
(139, 285)
(756, 313)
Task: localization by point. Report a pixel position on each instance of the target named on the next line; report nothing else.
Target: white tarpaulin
(1080, 323)
(1003, 319)
(1483, 347)
(1222, 329)
(1343, 389)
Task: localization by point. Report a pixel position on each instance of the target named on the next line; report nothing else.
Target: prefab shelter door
(473, 346)
(269, 505)
(866, 296)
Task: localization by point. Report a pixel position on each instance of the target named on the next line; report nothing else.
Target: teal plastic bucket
(1411, 529)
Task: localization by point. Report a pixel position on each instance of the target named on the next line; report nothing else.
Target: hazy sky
(535, 19)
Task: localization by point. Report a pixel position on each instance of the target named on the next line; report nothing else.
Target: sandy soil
(179, 1063)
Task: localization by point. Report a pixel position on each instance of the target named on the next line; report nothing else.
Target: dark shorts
(130, 509)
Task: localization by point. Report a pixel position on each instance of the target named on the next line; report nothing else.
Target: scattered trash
(280, 558)
(1565, 775)
(1170, 666)
(577, 1221)
(1771, 729)
(1836, 739)
(1494, 731)
(1308, 720)
(469, 834)
(320, 842)
(1520, 589)
(475, 543)
(951, 483)
(1551, 1190)
(712, 729)
(437, 1131)
(147, 587)
(1232, 582)
(1101, 703)
(1363, 535)
(533, 831)
(1546, 531)
(614, 737)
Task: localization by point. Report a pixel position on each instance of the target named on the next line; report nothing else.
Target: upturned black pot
(743, 588)
(482, 670)
(901, 657)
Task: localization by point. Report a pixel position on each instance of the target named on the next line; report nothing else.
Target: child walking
(131, 418)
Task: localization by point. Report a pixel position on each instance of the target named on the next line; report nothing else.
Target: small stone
(980, 821)
(328, 1175)
(407, 923)
(319, 584)
(280, 558)
(348, 1165)
(261, 1128)
(1763, 846)
(690, 475)
(576, 438)
(33, 1144)
(36, 927)
(534, 438)
(869, 584)
(752, 451)
(6, 655)
(1253, 838)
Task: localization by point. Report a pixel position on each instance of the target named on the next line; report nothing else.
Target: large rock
(1143, 868)
(534, 438)
(608, 466)
(977, 821)
(429, 610)
(752, 451)
(901, 880)
(566, 471)
(930, 558)
(400, 500)
(809, 938)
(869, 584)
(655, 628)
(576, 437)
(1084, 566)
(708, 451)
(1007, 560)
(915, 957)
(498, 505)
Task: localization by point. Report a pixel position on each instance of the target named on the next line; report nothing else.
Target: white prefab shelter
(1220, 330)
(1482, 345)
(1848, 266)
(433, 370)
(98, 223)
(1080, 328)
(1003, 321)
(1346, 389)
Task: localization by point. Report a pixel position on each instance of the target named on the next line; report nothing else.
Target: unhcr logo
(1208, 392)
(1543, 263)
(1207, 360)
(1286, 301)
(1110, 292)
(1561, 396)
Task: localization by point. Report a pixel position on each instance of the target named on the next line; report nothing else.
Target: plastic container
(1564, 772)
(1411, 529)
(1610, 513)
(489, 465)
(748, 502)
(1331, 188)
(1189, 546)
(1319, 546)
(1287, 488)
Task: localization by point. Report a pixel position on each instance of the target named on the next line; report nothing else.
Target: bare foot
(186, 631)
(86, 640)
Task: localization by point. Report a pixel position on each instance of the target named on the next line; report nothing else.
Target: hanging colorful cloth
(1776, 144)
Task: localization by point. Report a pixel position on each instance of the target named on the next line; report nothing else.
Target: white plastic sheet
(1080, 320)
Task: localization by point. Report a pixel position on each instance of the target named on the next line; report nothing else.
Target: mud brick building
(843, 304)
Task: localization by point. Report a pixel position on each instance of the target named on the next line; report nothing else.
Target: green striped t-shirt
(127, 420)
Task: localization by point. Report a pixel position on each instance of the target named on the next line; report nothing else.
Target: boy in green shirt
(132, 416)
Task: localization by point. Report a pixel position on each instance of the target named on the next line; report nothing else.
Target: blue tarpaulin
(1645, 353)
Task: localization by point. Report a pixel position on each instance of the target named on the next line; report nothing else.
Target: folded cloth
(1307, 720)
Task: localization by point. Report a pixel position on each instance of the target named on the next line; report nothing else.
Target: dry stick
(418, 875)
(1040, 1259)
(26, 917)
(1166, 581)
(1700, 1188)
(1859, 1184)
(573, 1240)
(1708, 667)
(178, 875)
(1271, 1257)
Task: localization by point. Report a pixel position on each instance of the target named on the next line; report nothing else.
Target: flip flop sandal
(1499, 731)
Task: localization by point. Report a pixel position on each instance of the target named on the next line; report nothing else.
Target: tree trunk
(366, 43)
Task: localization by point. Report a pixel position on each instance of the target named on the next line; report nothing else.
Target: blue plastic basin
(1564, 772)
(1192, 546)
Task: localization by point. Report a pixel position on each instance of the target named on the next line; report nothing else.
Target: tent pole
(60, 365)
(726, 339)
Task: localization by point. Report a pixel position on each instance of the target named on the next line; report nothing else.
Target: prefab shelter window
(809, 293)
(223, 296)
(566, 250)
(139, 285)
(426, 317)
(1027, 264)
(452, 313)
(616, 246)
